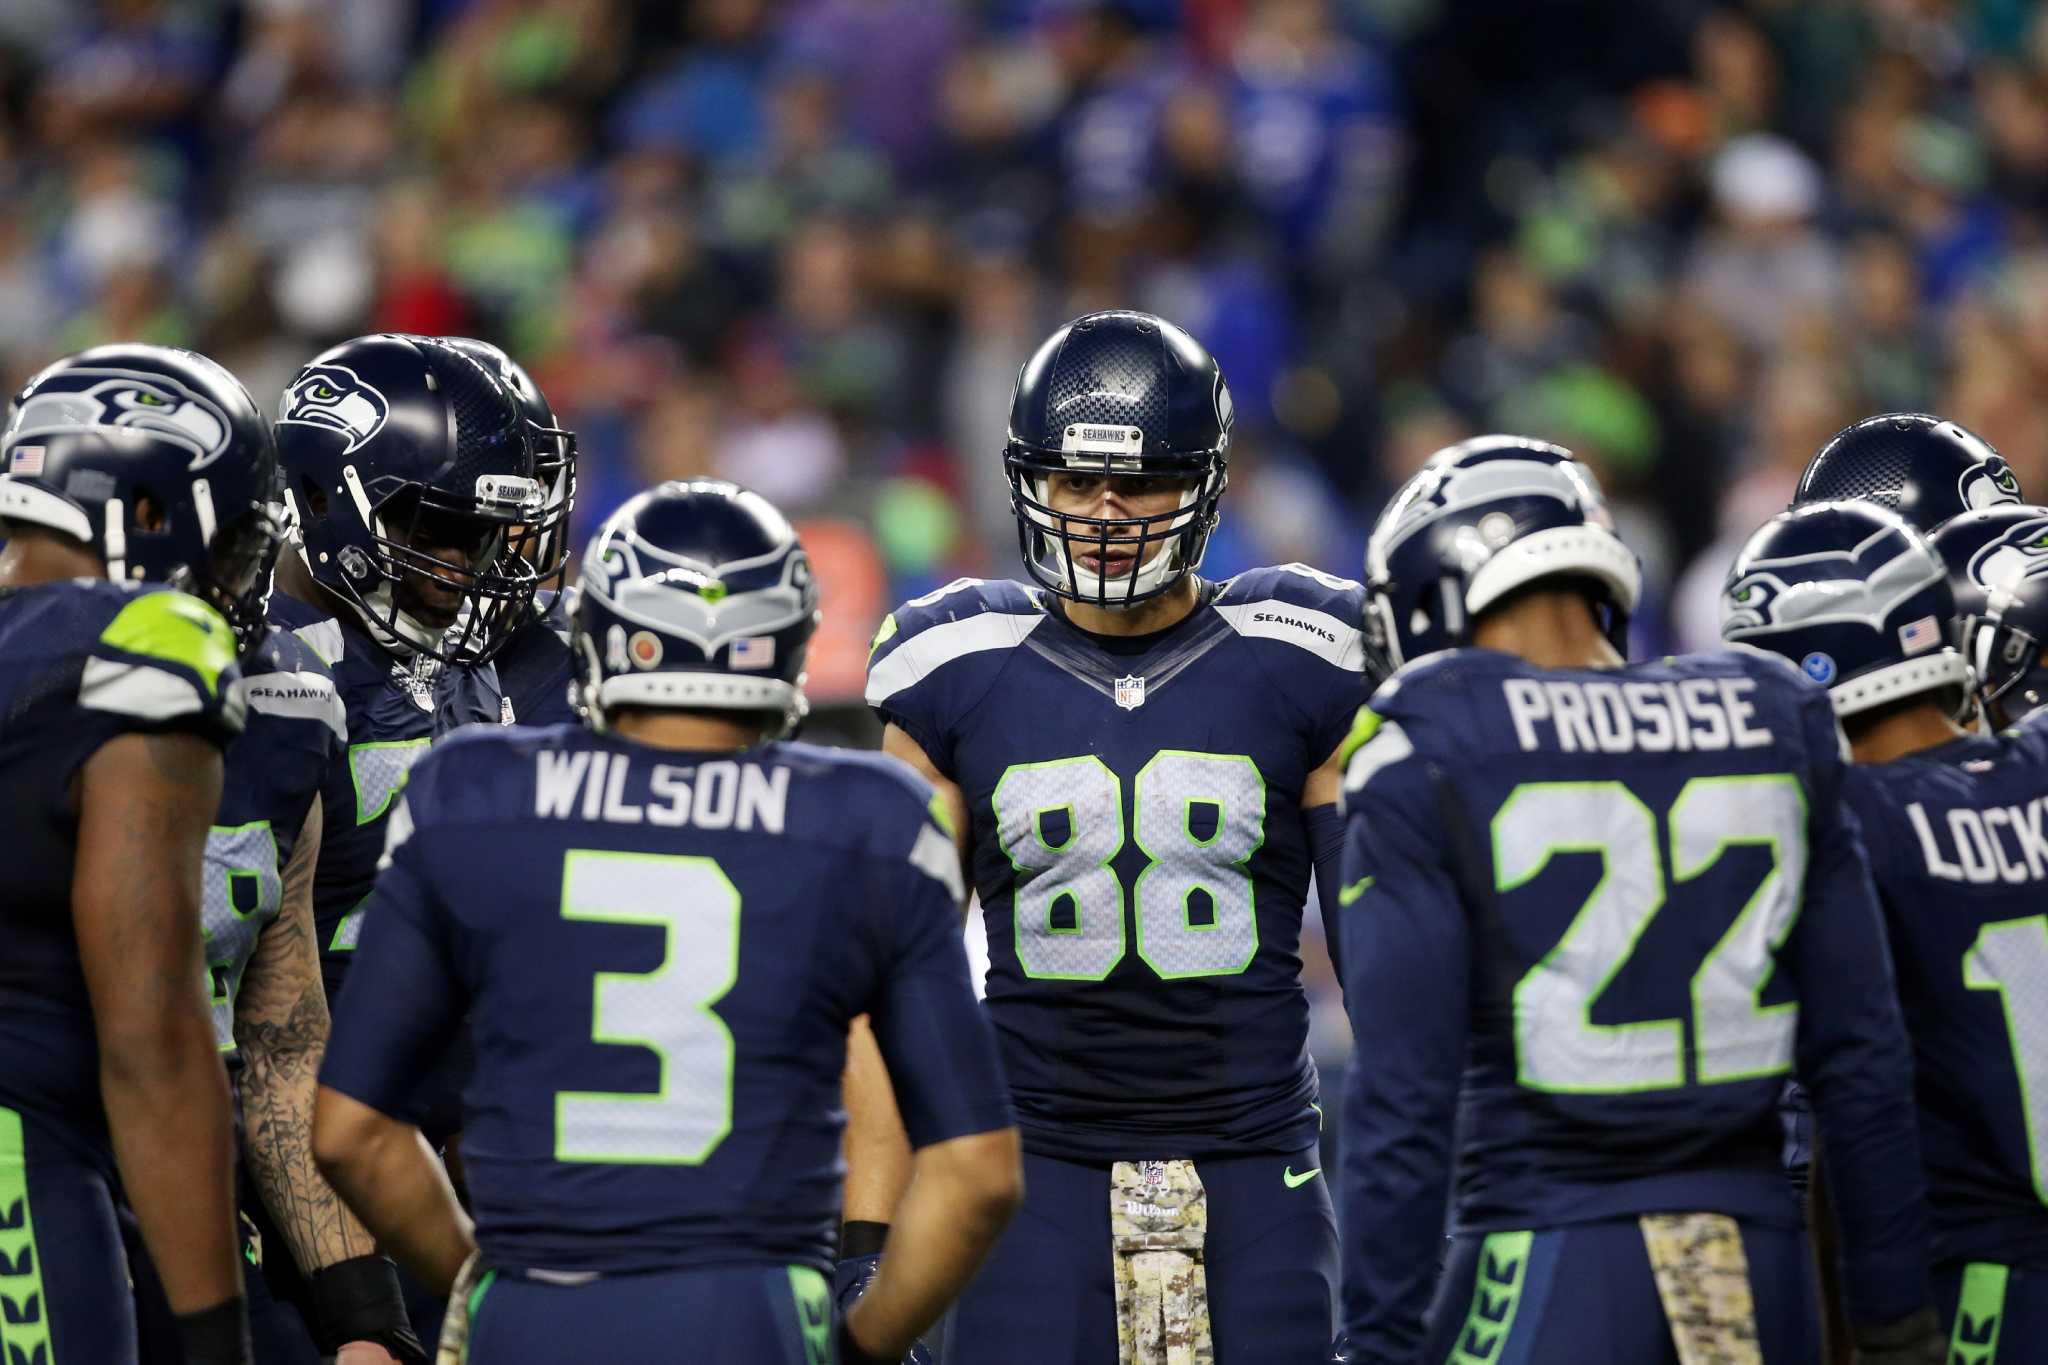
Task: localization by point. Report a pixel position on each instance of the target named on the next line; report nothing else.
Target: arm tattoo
(281, 1028)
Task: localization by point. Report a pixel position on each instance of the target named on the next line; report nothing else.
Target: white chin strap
(1113, 593)
(394, 629)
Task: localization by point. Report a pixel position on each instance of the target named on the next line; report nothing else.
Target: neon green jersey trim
(24, 1319)
(1496, 1294)
(883, 634)
(1980, 1312)
(1364, 726)
(813, 1313)
(177, 629)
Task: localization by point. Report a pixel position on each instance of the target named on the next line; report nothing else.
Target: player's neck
(1902, 733)
(32, 557)
(295, 580)
(692, 730)
(1168, 609)
(1550, 629)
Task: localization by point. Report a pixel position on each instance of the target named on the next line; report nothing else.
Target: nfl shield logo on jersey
(1130, 693)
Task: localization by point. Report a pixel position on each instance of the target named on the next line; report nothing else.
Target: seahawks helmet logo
(2022, 552)
(1988, 483)
(335, 397)
(1864, 585)
(82, 399)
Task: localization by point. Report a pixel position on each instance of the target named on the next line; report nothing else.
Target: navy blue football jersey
(81, 662)
(295, 735)
(535, 666)
(659, 954)
(1619, 906)
(393, 709)
(1959, 843)
(1138, 845)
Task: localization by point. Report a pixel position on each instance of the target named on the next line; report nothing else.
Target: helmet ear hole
(149, 513)
(312, 498)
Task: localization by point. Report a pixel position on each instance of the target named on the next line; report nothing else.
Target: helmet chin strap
(395, 629)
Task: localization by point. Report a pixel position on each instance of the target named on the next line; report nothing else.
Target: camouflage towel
(470, 1282)
(1158, 1221)
(1703, 1280)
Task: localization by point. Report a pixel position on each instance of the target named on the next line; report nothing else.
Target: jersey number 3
(668, 1010)
(1199, 820)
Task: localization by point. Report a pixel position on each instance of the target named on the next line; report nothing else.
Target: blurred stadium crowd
(806, 244)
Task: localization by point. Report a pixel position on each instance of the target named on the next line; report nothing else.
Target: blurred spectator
(807, 243)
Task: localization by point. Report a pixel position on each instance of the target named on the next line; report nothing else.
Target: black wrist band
(358, 1300)
(218, 1335)
(861, 1238)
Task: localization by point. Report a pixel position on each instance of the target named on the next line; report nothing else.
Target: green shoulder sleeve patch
(941, 816)
(1364, 726)
(882, 634)
(177, 629)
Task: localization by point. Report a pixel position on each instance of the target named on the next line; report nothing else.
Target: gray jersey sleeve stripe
(935, 855)
(1335, 641)
(137, 690)
(323, 638)
(300, 696)
(918, 657)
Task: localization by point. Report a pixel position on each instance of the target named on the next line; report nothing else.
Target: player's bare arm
(964, 1192)
(144, 805)
(281, 1026)
(281, 1030)
(392, 1179)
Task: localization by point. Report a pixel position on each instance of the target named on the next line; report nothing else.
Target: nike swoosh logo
(1295, 1182)
(1348, 894)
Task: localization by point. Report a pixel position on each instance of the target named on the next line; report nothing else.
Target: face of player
(462, 544)
(1114, 499)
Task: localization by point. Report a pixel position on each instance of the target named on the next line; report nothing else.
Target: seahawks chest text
(1168, 830)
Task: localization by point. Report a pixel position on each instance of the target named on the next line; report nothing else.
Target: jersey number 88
(1198, 819)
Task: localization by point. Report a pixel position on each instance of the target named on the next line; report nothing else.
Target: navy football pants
(1585, 1295)
(742, 1315)
(1047, 1295)
(1995, 1314)
(63, 1278)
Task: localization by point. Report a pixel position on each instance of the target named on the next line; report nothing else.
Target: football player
(269, 1013)
(1144, 763)
(661, 927)
(1953, 821)
(1924, 468)
(534, 664)
(1997, 562)
(1595, 911)
(407, 465)
(116, 700)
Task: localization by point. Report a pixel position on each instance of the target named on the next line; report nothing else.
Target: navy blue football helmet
(408, 467)
(1922, 467)
(1997, 561)
(1480, 521)
(1854, 596)
(697, 596)
(544, 542)
(156, 459)
(1118, 396)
